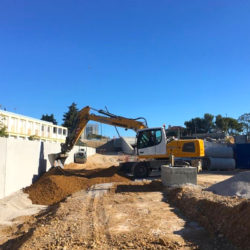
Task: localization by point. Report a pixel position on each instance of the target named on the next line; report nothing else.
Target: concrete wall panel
(22, 162)
(3, 146)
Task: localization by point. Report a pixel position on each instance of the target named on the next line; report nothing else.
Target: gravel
(238, 185)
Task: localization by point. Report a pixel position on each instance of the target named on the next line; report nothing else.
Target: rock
(130, 244)
(162, 242)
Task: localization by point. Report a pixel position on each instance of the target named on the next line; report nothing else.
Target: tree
(220, 123)
(49, 118)
(208, 123)
(200, 125)
(228, 125)
(205, 124)
(234, 127)
(245, 120)
(3, 132)
(70, 116)
(3, 128)
(194, 125)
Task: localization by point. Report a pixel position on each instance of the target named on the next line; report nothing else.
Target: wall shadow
(42, 165)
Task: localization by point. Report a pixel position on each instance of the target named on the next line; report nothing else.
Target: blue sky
(168, 61)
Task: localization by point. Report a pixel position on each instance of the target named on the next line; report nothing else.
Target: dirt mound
(97, 161)
(238, 185)
(223, 216)
(57, 183)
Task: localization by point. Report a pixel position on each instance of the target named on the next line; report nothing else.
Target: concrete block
(178, 175)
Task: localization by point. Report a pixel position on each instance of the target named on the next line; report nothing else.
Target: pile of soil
(223, 216)
(238, 185)
(57, 183)
(96, 161)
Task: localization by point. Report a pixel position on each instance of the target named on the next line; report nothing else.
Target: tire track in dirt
(98, 220)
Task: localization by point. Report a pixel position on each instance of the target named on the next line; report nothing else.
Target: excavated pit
(57, 183)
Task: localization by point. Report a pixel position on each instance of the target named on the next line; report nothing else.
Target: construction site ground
(93, 206)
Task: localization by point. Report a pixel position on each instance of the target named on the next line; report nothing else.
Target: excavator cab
(151, 143)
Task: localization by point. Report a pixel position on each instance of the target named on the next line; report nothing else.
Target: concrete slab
(171, 176)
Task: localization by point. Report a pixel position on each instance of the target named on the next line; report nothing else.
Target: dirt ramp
(57, 183)
(223, 216)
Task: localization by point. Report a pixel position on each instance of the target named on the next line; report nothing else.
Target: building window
(64, 132)
(59, 131)
(42, 128)
(55, 130)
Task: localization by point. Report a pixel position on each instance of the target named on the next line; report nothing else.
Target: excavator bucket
(57, 160)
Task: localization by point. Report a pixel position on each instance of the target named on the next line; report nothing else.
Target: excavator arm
(84, 116)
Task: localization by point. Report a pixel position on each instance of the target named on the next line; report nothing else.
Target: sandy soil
(86, 211)
(121, 216)
(57, 183)
(97, 161)
(209, 178)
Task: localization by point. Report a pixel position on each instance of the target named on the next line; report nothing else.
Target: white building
(24, 127)
(90, 129)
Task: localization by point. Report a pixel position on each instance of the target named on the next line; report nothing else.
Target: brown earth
(223, 216)
(97, 161)
(131, 215)
(57, 183)
(128, 216)
(208, 178)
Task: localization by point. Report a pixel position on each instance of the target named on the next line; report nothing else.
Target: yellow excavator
(153, 147)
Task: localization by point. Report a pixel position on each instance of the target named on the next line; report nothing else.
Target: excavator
(153, 147)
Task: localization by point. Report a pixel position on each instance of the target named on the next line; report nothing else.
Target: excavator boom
(84, 116)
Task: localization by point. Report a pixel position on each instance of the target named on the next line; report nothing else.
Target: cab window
(149, 138)
(158, 136)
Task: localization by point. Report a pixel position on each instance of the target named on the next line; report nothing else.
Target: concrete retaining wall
(126, 146)
(21, 162)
